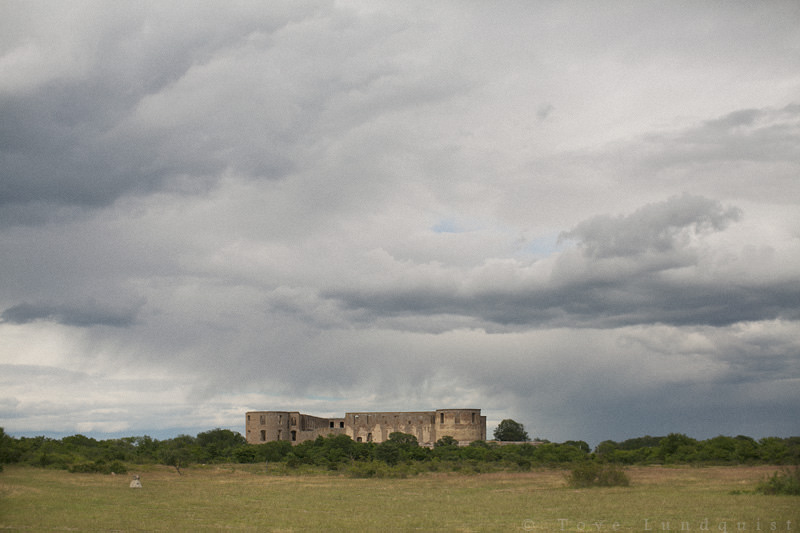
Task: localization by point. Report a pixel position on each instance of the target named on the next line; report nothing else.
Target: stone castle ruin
(464, 425)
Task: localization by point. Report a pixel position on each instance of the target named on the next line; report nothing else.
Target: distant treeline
(84, 454)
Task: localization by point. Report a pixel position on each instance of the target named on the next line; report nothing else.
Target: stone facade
(464, 425)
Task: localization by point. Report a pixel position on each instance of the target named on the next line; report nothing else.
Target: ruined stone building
(464, 425)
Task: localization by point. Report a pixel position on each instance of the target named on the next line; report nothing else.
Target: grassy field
(248, 499)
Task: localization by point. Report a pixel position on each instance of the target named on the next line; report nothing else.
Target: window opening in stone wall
(294, 435)
(441, 420)
(263, 419)
(279, 435)
(248, 418)
(263, 435)
(358, 439)
(294, 421)
(331, 423)
(473, 418)
(341, 424)
(369, 437)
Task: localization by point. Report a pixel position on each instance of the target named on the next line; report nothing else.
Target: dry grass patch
(242, 499)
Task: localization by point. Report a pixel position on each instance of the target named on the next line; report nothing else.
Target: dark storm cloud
(77, 140)
(591, 303)
(55, 151)
(85, 315)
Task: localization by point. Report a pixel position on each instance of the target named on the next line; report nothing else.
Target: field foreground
(247, 498)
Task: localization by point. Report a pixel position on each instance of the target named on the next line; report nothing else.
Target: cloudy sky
(580, 215)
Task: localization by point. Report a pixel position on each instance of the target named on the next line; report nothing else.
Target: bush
(583, 475)
(524, 464)
(612, 476)
(99, 467)
(596, 475)
(52, 460)
(785, 482)
(293, 461)
(368, 469)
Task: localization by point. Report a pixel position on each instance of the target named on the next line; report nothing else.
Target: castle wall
(267, 426)
(376, 427)
(464, 425)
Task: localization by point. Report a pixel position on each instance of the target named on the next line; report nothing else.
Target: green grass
(785, 482)
(245, 498)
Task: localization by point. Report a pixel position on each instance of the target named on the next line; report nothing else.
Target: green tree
(388, 452)
(677, 448)
(145, 448)
(447, 441)
(178, 452)
(581, 445)
(9, 451)
(773, 450)
(405, 440)
(399, 447)
(219, 444)
(640, 442)
(341, 448)
(272, 451)
(607, 447)
(510, 430)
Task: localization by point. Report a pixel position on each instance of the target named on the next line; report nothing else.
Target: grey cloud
(571, 381)
(74, 140)
(750, 155)
(166, 102)
(758, 135)
(544, 111)
(595, 304)
(744, 156)
(54, 157)
(8, 405)
(642, 268)
(654, 228)
(760, 351)
(87, 314)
